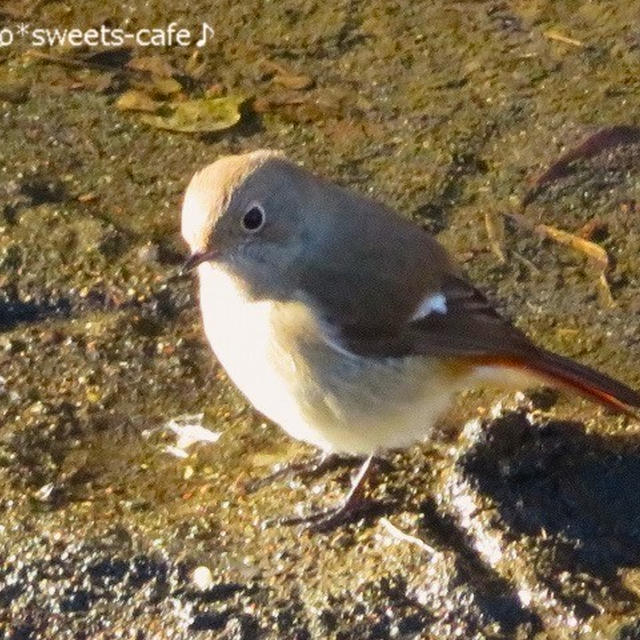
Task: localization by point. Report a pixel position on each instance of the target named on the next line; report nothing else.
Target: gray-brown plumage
(355, 317)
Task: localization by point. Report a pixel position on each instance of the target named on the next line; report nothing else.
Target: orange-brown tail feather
(597, 386)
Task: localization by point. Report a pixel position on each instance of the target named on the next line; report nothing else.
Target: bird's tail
(564, 372)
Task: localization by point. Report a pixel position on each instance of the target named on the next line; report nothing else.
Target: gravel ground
(522, 521)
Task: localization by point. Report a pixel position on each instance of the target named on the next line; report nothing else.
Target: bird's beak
(197, 258)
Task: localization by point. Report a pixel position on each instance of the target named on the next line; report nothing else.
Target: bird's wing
(462, 324)
(456, 320)
(406, 298)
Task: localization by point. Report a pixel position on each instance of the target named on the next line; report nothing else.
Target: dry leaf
(156, 65)
(100, 83)
(287, 78)
(165, 86)
(265, 104)
(198, 116)
(136, 100)
(292, 81)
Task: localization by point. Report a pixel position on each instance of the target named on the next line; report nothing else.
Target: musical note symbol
(206, 32)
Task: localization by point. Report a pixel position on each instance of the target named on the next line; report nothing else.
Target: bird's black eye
(253, 219)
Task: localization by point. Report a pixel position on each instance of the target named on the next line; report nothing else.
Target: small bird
(343, 322)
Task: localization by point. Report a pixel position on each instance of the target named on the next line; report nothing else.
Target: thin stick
(405, 537)
(555, 35)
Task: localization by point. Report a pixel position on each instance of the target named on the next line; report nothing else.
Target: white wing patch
(435, 303)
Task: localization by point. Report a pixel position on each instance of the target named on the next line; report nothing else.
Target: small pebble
(202, 578)
(149, 253)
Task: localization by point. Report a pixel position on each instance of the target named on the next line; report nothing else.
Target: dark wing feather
(472, 329)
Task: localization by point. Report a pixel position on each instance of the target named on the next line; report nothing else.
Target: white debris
(202, 578)
(175, 451)
(398, 534)
(44, 493)
(189, 431)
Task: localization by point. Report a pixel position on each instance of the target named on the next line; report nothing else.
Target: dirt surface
(444, 110)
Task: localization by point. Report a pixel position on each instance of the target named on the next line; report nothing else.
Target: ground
(443, 110)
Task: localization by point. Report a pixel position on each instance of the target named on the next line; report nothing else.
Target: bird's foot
(347, 512)
(355, 505)
(305, 469)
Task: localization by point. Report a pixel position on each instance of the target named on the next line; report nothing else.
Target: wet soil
(443, 110)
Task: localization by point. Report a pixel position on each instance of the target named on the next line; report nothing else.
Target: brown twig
(552, 34)
(592, 250)
(495, 233)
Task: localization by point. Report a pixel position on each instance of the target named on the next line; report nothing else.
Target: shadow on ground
(552, 481)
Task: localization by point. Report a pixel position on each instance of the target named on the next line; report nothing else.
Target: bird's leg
(306, 468)
(355, 503)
